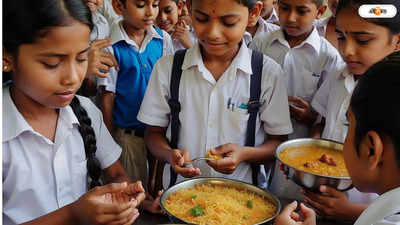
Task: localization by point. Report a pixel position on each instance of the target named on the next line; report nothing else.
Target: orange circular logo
(377, 11)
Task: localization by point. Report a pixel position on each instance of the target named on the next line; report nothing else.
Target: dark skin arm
(107, 106)
(317, 129)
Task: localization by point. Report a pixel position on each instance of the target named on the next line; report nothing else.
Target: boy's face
(296, 16)
(332, 4)
(266, 11)
(94, 5)
(138, 14)
(168, 15)
(219, 24)
(362, 43)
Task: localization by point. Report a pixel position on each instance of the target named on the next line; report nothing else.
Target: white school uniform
(40, 176)
(385, 210)
(101, 29)
(263, 27)
(108, 12)
(332, 101)
(321, 25)
(207, 119)
(305, 65)
(273, 17)
(118, 33)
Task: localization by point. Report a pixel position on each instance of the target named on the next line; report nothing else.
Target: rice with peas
(219, 205)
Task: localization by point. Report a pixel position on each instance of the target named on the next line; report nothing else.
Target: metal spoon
(189, 164)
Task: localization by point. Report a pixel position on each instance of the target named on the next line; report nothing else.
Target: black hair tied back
(89, 141)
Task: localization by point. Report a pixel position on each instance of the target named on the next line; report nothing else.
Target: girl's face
(168, 15)
(362, 43)
(138, 14)
(296, 16)
(219, 25)
(50, 71)
(94, 5)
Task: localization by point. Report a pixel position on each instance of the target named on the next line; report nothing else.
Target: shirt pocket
(235, 131)
(80, 177)
(309, 83)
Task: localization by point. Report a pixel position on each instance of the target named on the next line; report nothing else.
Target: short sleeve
(155, 110)
(110, 82)
(274, 111)
(108, 151)
(320, 100)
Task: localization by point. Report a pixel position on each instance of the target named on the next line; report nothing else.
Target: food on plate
(219, 204)
(212, 156)
(316, 160)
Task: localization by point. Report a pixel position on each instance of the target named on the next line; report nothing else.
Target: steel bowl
(218, 181)
(308, 180)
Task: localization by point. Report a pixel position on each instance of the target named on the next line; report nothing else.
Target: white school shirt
(385, 210)
(332, 101)
(263, 27)
(305, 65)
(101, 29)
(207, 119)
(273, 17)
(118, 33)
(321, 25)
(40, 176)
(108, 12)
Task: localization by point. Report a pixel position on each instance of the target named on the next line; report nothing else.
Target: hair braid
(89, 140)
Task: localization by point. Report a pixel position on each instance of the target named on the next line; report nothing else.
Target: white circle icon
(377, 11)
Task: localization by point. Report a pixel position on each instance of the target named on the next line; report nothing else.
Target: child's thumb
(309, 214)
(290, 208)
(330, 191)
(110, 188)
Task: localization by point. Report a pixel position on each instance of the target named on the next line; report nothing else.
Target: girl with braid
(55, 145)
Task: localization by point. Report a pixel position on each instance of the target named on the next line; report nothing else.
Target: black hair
(319, 3)
(374, 102)
(248, 3)
(393, 24)
(25, 22)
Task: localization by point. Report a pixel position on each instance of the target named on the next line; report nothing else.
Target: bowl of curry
(311, 163)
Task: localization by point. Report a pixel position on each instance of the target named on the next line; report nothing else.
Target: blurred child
(54, 142)
(257, 26)
(306, 58)
(214, 98)
(107, 10)
(372, 147)
(168, 19)
(326, 26)
(362, 43)
(137, 45)
(268, 12)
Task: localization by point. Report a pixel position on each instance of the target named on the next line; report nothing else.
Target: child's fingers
(331, 191)
(99, 44)
(289, 209)
(295, 216)
(187, 172)
(109, 188)
(307, 212)
(127, 217)
(113, 60)
(318, 206)
(134, 188)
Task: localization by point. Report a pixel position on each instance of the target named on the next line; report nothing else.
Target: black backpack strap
(254, 106)
(175, 105)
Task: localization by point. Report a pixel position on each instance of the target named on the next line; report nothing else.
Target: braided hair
(27, 21)
(89, 141)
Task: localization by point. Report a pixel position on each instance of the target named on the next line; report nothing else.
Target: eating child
(168, 20)
(372, 147)
(362, 43)
(54, 142)
(306, 58)
(214, 99)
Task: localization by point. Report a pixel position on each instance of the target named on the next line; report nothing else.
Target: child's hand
(153, 205)
(331, 203)
(135, 191)
(178, 157)
(182, 34)
(105, 205)
(231, 158)
(289, 217)
(301, 110)
(100, 61)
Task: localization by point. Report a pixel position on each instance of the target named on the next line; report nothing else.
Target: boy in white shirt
(306, 58)
(372, 147)
(258, 27)
(268, 12)
(214, 99)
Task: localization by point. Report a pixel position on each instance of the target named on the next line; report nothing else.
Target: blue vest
(133, 76)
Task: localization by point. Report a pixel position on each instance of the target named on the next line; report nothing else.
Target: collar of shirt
(385, 205)
(15, 124)
(313, 40)
(241, 61)
(273, 17)
(98, 18)
(118, 33)
(321, 25)
(349, 81)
